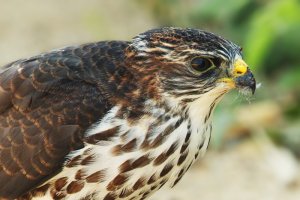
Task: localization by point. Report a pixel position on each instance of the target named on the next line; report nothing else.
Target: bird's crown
(170, 39)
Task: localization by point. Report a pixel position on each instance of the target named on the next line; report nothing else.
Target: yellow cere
(240, 67)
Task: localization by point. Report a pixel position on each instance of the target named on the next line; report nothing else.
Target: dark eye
(200, 64)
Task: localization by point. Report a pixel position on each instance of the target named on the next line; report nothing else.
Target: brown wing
(46, 104)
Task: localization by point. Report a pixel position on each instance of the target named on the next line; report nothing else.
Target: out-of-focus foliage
(269, 32)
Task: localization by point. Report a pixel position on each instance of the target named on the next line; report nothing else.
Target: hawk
(113, 119)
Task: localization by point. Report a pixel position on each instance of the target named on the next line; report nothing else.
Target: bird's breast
(122, 159)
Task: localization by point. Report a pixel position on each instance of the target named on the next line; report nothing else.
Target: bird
(113, 119)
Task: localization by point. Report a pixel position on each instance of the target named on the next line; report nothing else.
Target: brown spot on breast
(145, 195)
(117, 182)
(152, 179)
(125, 166)
(75, 186)
(181, 172)
(96, 177)
(80, 174)
(157, 141)
(182, 157)
(73, 161)
(145, 145)
(60, 183)
(129, 165)
(171, 128)
(89, 197)
(139, 183)
(183, 148)
(106, 135)
(117, 150)
(141, 161)
(125, 192)
(160, 159)
(110, 196)
(201, 145)
(172, 148)
(189, 165)
(154, 187)
(176, 181)
(57, 194)
(166, 169)
(88, 160)
(128, 147)
(187, 137)
(164, 156)
(180, 175)
(162, 183)
(160, 138)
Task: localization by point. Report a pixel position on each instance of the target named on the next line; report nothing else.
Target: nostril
(240, 68)
(239, 72)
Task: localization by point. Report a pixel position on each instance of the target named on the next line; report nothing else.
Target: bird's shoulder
(91, 63)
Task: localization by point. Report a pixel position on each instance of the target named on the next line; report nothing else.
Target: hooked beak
(241, 77)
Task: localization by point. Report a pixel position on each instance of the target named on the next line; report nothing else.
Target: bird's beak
(240, 76)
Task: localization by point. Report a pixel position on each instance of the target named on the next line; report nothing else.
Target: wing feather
(46, 104)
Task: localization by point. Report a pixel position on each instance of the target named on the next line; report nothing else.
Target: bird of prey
(113, 119)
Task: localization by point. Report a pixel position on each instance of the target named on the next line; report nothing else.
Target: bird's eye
(200, 64)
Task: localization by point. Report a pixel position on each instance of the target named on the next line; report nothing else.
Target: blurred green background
(255, 148)
(269, 32)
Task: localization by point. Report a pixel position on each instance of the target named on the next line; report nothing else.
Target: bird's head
(190, 63)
